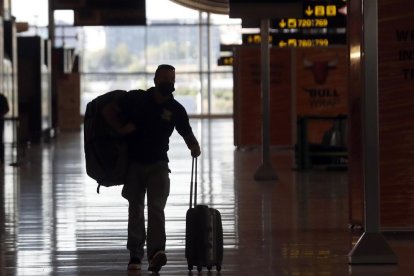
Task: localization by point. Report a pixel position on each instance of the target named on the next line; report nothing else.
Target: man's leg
(158, 188)
(134, 192)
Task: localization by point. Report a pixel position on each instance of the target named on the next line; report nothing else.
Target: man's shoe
(134, 264)
(158, 260)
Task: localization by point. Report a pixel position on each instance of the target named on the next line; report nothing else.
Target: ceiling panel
(213, 6)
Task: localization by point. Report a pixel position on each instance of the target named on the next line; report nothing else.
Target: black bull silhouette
(320, 69)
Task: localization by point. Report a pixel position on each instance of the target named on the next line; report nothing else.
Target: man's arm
(184, 129)
(192, 144)
(111, 112)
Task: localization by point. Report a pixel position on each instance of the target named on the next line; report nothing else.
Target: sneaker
(134, 264)
(158, 260)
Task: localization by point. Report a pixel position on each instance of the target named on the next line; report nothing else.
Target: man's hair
(164, 67)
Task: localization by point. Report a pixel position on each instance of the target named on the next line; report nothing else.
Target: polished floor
(52, 221)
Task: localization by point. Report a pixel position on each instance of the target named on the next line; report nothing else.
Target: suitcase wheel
(218, 267)
(199, 268)
(209, 267)
(190, 267)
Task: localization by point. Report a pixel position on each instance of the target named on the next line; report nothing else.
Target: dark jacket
(154, 125)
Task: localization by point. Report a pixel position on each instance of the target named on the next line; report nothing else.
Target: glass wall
(126, 57)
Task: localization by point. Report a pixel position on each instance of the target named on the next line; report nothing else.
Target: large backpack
(105, 150)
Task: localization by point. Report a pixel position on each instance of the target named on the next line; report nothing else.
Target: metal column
(265, 171)
(371, 248)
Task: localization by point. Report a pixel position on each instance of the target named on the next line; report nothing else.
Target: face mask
(166, 88)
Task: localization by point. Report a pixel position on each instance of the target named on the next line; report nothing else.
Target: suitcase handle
(193, 183)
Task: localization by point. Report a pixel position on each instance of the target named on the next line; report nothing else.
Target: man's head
(164, 80)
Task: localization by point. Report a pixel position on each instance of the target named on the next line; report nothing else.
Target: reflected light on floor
(54, 223)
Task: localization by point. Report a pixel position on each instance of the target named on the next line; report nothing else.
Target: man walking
(147, 119)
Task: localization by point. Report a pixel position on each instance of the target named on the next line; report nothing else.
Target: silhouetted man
(147, 119)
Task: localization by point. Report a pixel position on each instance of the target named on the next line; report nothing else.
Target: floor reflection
(54, 223)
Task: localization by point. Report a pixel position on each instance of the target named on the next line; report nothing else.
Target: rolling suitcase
(204, 232)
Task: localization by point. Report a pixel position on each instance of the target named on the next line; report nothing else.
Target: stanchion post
(371, 248)
(266, 170)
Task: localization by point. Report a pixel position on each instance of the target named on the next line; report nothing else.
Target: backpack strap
(137, 90)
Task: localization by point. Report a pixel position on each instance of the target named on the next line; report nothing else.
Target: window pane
(188, 91)
(222, 93)
(126, 57)
(114, 49)
(223, 34)
(176, 45)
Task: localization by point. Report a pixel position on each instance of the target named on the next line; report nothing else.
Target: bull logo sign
(320, 69)
(321, 97)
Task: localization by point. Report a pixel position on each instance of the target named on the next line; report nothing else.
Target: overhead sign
(67, 4)
(109, 17)
(115, 4)
(97, 4)
(316, 14)
(227, 47)
(104, 12)
(225, 61)
(309, 23)
(254, 39)
(261, 9)
(314, 10)
(322, 24)
(318, 9)
(307, 42)
(297, 40)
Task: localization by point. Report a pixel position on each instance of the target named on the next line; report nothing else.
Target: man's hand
(195, 151)
(192, 145)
